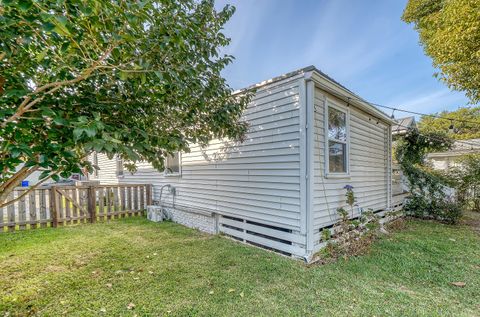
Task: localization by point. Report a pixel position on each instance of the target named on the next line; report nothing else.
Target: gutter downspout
(309, 164)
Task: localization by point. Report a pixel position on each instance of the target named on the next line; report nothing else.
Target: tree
(427, 187)
(465, 176)
(467, 125)
(140, 80)
(450, 34)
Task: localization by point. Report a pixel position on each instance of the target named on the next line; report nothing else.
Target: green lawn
(166, 269)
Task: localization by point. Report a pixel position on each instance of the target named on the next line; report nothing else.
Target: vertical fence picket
(42, 202)
(148, 189)
(32, 209)
(129, 199)
(53, 206)
(61, 209)
(108, 199)
(116, 209)
(142, 198)
(135, 199)
(83, 198)
(73, 194)
(68, 216)
(1, 219)
(92, 203)
(22, 211)
(101, 203)
(11, 213)
(122, 201)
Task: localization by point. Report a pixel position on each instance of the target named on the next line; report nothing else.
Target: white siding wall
(257, 180)
(369, 164)
(107, 174)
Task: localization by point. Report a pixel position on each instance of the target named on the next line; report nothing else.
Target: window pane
(337, 155)
(173, 164)
(337, 124)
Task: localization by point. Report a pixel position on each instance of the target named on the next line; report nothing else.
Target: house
(446, 160)
(402, 125)
(309, 136)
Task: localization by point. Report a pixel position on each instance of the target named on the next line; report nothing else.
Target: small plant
(350, 197)
(326, 234)
(343, 213)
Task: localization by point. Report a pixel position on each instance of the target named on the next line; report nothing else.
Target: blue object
(24, 183)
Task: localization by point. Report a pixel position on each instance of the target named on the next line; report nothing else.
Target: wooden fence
(66, 205)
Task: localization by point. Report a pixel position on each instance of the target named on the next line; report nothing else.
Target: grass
(166, 269)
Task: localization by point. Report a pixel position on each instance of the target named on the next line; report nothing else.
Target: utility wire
(424, 114)
(399, 109)
(348, 98)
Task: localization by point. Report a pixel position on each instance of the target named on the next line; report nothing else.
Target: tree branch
(27, 103)
(28, 190)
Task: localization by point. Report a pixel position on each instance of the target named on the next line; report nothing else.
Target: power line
(398, 109)
(426, 136)
(424, 114)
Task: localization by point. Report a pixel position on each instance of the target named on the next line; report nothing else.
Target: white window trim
(167, 174)
(329, 103)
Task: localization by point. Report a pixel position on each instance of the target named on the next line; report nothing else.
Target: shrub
(446, 210)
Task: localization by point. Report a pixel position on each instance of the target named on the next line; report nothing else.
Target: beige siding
(257, 180)
(368, 159)
(107, 174)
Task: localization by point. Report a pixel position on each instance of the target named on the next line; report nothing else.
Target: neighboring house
(402, 125)
(446, 160)
(309, 137)
(109, 172)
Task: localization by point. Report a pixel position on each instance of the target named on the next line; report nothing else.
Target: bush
(466, 179)
(445, 210)
(449, 211)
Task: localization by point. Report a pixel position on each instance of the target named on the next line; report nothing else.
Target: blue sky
(363, 44)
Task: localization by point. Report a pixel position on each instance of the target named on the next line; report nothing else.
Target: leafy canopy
(135, 79)
(427, 187)
(450, 34)
(467, 128)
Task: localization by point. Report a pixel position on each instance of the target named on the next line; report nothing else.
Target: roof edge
(307, 72)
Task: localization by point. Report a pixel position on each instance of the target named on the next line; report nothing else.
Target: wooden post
(53, 206)
(11, 213)
(149, 194)
(43, 208)
(92, 205)
(22, 211)
(32, 208)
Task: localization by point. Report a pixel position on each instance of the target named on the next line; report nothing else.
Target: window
(95, 164)
(119, 166)
(337, 134)
(172, 164)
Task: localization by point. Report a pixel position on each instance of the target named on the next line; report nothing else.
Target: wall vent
(270, 237)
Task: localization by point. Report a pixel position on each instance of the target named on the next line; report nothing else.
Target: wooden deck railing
(65, 205)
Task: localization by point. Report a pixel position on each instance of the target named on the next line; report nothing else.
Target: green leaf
(24, 5)
(48, 26)
(42, 55)
(159, 74)
(65, 47)
(60, 121)
(15, 152)
(77, 133)
(44, 174)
